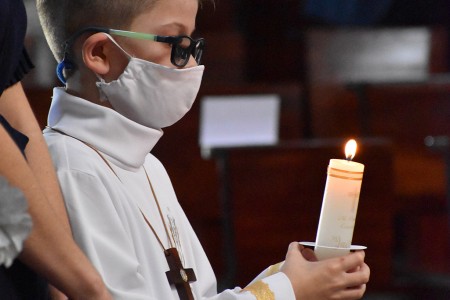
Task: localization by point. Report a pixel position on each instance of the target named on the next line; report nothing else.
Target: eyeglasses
(182, 46)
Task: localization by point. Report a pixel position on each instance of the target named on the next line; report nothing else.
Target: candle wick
(349, 158)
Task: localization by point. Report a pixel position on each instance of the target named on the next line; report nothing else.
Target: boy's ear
(96, 53)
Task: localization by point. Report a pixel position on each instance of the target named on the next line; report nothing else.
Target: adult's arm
(14, 106)
(50, 249)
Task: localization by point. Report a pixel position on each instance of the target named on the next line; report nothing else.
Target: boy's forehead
(167, 14)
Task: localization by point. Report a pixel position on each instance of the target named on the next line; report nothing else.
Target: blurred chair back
(363, 55)
(354, 58)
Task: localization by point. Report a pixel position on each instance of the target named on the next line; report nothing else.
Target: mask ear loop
(118, 46)
(123, 50)
(102, 81)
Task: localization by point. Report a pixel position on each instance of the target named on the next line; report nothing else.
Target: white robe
(105, 209)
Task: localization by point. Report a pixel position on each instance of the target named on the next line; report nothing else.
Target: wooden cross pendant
(178, 275)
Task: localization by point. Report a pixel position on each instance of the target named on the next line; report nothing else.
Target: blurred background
(377, 71)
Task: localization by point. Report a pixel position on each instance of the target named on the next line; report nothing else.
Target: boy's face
(166, 17)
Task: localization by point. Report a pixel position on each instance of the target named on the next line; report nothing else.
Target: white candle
(339, 205)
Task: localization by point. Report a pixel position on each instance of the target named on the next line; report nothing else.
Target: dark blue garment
(19, 138)
(347, 12)
(23, 67)
(18, 282)
(13, 25)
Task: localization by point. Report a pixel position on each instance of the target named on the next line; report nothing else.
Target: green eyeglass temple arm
(131, 34)
(136, 35)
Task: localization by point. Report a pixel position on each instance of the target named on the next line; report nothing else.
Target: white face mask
(150, 94)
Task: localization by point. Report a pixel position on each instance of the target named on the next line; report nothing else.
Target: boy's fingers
(354, 293)
(360, 277)
(353, 260)
(294, 246)
(294, 249)
(309, 254)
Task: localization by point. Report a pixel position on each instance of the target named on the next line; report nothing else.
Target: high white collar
(124, 142)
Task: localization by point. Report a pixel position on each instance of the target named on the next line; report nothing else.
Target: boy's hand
(336, 278)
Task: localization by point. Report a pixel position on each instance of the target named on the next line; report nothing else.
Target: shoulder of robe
(72, 155)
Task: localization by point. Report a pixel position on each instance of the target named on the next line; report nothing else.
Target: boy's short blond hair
(62, 18)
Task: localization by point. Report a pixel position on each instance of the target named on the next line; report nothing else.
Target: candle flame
(350, 149)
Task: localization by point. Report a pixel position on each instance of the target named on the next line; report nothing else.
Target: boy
(132, 69)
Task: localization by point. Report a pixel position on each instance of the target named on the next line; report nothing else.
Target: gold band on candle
(343, 177)
(344, 171)
(343, 174)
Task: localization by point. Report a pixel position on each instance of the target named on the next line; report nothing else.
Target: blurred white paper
(230, 121)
